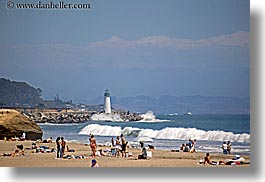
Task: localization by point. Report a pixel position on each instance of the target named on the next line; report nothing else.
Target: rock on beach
(14, 124)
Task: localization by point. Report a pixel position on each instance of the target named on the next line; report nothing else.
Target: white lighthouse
(107, 106)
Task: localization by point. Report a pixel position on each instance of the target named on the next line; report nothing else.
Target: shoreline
(160, 158)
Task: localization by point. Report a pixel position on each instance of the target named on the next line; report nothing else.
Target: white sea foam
(150, 117)
(101, 130)
(57, 124)
(106, 117)
(165, 133)
(172, 114)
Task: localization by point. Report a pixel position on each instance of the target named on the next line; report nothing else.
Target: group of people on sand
(120, 145)
(19, 151)
(226, 146)
(60, 146)
(236, 160)
(188, 147)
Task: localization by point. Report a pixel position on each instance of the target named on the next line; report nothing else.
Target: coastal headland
(13, 124)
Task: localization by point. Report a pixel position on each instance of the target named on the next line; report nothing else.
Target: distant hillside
(17, 94)
(14, 93)
(173, 104)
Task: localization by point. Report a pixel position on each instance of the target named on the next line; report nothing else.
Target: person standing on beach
(63, 143)
(58, 146)
(229, 147)
(112, 142)
(190, 143)
(123, 146)
(224, 147)
(117, 146)
(93, 145)
(192, 149)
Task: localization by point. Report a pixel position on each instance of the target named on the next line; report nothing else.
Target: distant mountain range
(172, 104)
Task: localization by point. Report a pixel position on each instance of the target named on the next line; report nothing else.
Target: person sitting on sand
(49, 140)
(94, 163)
(93, 145)
(207, 161)
(182, 147)
(34, 145)
(23, 137)
(187, 148)
(68, 149)
(144, 153)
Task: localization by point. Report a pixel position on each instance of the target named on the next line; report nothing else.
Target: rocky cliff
(14, 124)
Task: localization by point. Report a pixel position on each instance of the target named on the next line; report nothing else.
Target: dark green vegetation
(14, 93)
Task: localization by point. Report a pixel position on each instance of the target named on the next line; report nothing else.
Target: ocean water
(164, 132)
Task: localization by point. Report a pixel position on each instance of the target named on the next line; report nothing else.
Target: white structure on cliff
(107, 105)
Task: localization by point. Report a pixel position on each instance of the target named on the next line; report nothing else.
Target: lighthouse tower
(107, 106)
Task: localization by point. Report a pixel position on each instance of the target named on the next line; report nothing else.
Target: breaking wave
(150, 117)
(165, 133)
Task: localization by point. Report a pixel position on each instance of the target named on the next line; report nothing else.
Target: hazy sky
(140, 47)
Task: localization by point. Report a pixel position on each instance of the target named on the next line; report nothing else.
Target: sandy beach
(160, 158)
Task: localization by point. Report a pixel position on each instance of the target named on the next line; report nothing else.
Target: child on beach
(94, 163)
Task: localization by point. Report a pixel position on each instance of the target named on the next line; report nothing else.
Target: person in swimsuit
(93, 145)
(117, 146)
(229, 147)
(63, 143)
(58, 146)
(207, 159)
(112, 142)
(123, 146)
(224, 147)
